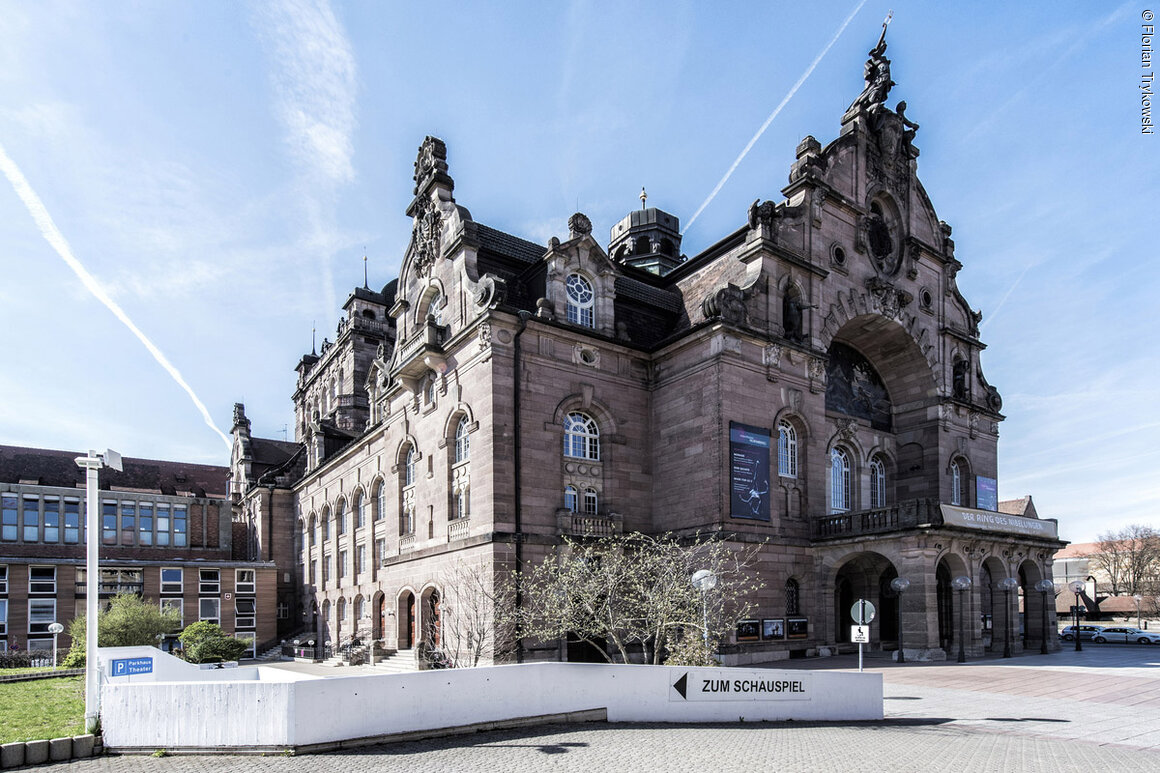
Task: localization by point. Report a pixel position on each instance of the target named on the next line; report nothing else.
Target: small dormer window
(581, 300)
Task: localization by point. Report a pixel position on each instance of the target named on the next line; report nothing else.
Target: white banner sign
(986, 520)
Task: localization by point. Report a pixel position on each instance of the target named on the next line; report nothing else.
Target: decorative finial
(313, 335)
(643, 197)
(366, 284)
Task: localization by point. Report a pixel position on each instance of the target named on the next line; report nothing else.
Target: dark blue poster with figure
(749, 471)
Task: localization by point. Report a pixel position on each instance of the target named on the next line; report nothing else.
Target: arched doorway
(406, 617)
(379, 622)
(1034, 629)
(432, 624)
(987, 615)
(867, 576)
(946, 606)
(324, 624)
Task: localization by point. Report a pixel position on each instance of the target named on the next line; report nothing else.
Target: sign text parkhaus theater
(727, 684)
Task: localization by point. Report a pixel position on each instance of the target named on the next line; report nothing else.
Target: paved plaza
(1089, 711)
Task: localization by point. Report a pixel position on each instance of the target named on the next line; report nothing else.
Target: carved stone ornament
(817, 200)
(490, 292)
(430, 163)
(727, 303)
(888, 299)
(579, 225)
(763, 214)
(847, 429)
(425, 235)
(772, 357)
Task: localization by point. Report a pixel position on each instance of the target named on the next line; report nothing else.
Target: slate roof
(49, 467)
(509, 246)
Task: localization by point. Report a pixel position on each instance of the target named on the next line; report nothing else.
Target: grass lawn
(42, 709)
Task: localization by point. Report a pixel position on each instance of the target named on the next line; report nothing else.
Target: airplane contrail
(56, 239)
(773, 115)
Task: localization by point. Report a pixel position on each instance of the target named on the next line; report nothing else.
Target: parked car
(1130, 635)
(1086, 632)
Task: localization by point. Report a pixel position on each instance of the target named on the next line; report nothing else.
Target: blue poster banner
(131, 667)
(749, 471)
(986, 493)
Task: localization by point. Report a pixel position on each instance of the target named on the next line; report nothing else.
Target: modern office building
(167, 533)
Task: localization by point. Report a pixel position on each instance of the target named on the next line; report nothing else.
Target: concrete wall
(257, 712)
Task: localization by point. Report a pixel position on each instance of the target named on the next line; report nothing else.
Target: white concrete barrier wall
(263, 712)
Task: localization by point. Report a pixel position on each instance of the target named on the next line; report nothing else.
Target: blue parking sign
(132, 666)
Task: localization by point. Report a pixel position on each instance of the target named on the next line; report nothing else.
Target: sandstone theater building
(811, 379)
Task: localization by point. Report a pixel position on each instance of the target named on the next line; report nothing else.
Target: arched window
(956, 483)
(590, 502)
(462, 503)
(381, 497)
(793, 597)
(310, 537)
(324, 526)
(358, 609)
(571, 499)
(462, 441)
(435, 309)
(340, 517)
(360, 519)
(786, 450)
(340, 611)
(839, 481)
(409, 468)
(581, 437)
(581, 300)
(877, 482)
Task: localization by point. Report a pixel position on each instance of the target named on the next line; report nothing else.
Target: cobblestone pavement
(1095, 710)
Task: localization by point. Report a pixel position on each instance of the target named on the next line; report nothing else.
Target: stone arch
(461, 410)
(901, 331)
(407, 617)
(862, 574)
(427, 293)
(586, 403)
(951, 611)
(1035, 631)
(430, 616)
(379, 614)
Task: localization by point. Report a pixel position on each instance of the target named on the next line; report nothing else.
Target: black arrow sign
(681, 684)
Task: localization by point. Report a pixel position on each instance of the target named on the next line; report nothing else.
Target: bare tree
(621, 593)
(1130, 559)
(477, 615)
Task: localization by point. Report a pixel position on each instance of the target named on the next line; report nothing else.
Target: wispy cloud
(55, 238)
(314, 77)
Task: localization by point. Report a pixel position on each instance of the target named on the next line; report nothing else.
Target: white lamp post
(1138, 598)
(92, 464)
(899, 586)
(704, 581)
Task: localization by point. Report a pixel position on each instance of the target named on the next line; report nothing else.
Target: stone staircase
(397, 661)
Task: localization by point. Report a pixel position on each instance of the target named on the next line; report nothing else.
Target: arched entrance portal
(406, 617)
(1032, 621)
(867, 576)
(432, 624)
(946, 606)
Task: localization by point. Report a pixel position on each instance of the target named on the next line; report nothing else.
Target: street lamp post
(1007, 585)
(1044, 587)
(704, 581)
(1076, 587)
(92, 464)
(1138, 598)
(899, 586)
(961, 584)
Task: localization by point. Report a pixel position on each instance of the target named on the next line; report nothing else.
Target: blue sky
(221, 168)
